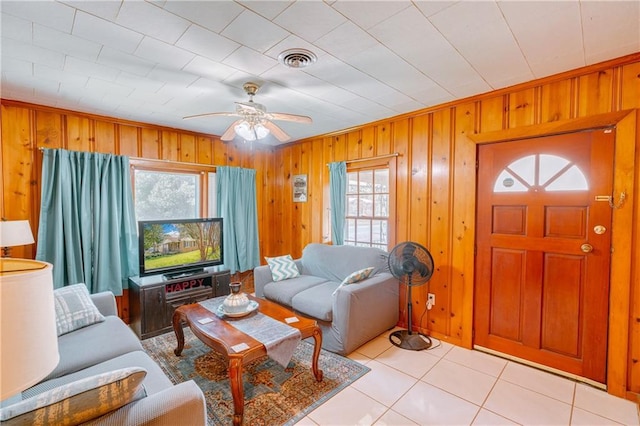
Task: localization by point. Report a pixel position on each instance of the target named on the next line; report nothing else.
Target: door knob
(586, 248)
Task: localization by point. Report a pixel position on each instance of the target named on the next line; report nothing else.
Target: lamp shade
(28, 337)
(15, 233)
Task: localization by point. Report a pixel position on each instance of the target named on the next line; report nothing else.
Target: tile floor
(449, 385)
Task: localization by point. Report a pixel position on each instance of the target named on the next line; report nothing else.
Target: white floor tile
(428, 405)
(349, 407)
(391, 418)
(306, 422)
(477, 360)
(375, 347)
(539, 381)
(461, 381)
(439, 348)
(413, 363)
(526, 407)
(487, 418)
(383, 383)
(579, 417)
(605, 405)
(358, 357)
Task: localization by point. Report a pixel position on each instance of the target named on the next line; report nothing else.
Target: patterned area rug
(273, 395)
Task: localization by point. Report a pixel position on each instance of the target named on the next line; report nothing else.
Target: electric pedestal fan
(412, 263)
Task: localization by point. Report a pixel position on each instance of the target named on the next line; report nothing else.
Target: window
(367, 212)
(172, 193)
(548, 172)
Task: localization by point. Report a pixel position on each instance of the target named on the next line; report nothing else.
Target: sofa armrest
(262, 276)
(105, 302)
(362, 310)
(182, 404)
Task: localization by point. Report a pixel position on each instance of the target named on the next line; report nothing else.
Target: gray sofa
(110, 345)
(356, 313)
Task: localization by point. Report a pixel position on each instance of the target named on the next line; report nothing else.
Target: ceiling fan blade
(277, 131)
(211, 114)
(230, 133)
(248, 106)
(290, 117)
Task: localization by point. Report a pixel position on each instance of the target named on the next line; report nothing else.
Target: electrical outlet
(431, 300)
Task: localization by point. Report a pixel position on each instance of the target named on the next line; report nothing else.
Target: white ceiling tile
(162, 53)
(602, 40)
(16, 66)
(268, 9)
(151, 20)
(103, 9)
(142, 95)
(102, 87)
(415, 39)
(16, 28)
(117, 60)
(431, 7)
(366, 14)
(310, 20)
(48, 13)
(65, 43)
(82, 67)
(213, 15)
(492, 45)
(104, 32)
(206, 43)
(263, 34)
(207, 68)
(29, 52)
(346, 41)
(250, 61)
(172, 76)
(51, 74)
(537, 27)
(140, 84)
(294, 42)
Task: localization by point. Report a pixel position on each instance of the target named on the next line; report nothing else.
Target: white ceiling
(157, 61)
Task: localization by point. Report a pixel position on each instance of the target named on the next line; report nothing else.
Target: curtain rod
(378, 157)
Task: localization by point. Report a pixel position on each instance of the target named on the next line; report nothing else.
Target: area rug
(273, 395)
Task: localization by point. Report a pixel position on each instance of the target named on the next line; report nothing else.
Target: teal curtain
(237, 205)
(338, 198)
(87, 220)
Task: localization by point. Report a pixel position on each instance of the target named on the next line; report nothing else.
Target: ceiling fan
(254, 122)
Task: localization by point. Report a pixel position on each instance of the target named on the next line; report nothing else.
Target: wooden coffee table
(221, 336)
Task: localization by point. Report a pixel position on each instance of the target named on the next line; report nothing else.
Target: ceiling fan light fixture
(261, 131)
(297, 58)
(250, 132)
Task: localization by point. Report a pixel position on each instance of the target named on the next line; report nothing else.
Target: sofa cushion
(74, 308)
(355, 277)
(283, 291)
(93, 344)
(282, 267)
(155, 381)
(316, 301)
(79, 401)
(335, 263)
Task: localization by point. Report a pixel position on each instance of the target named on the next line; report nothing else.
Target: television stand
(183, 274)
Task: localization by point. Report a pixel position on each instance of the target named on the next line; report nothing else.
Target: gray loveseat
(356, 313)
(110, 345)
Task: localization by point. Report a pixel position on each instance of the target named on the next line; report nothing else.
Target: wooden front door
(543, 250)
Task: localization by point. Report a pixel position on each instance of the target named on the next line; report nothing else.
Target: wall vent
(297, 58)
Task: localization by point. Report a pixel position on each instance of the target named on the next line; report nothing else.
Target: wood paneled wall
(435, 191)
(435, 181)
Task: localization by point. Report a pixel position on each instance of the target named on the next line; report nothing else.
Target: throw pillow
(282, 267)
(79, 401)
(355, 277)
(74, 308)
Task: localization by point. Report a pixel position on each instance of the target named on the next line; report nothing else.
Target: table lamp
(14, 233)
(28, 336)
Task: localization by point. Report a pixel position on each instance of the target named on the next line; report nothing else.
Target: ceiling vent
(297, 58)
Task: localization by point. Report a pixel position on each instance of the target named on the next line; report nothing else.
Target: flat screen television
(179, 247)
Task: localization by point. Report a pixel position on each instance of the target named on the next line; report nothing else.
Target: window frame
(381, 163)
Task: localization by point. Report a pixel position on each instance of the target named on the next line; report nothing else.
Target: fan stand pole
(406, 339)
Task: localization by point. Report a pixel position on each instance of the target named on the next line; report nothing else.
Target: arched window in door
(541, 172)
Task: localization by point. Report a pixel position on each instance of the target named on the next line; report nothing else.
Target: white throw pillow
(355, 277)
(79, 401)
(282, 267)
(74, 308)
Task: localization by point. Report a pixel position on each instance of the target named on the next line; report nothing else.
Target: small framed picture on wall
(299, 188)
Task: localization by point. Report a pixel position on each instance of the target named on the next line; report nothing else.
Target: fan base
(412, 341)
